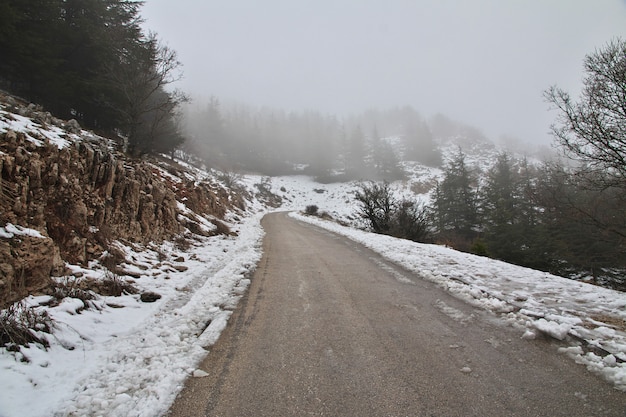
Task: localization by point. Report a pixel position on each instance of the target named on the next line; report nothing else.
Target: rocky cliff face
(80, 194)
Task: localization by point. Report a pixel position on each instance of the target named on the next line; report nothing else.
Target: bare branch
(593, 130)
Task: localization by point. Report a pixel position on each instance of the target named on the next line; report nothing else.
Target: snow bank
(131, 358)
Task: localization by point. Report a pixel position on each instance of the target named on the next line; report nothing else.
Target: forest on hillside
(90, 60)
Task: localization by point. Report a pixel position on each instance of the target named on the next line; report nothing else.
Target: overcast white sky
(484, 62)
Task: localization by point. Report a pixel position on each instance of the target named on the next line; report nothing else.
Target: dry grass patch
(21, 325)
(616, 322)
(112, 285)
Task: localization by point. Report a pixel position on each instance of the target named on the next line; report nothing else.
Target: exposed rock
(72, 126)
(149, 297)
(26, 264)
(81, 198)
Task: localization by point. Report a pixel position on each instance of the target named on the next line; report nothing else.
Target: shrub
(230, 180)
(375, 205)
(311, 210)
(221, 228)
(113, 285)
(409, 220)
(113, 258)
(20, 325)
(405, 219)
(479, 247)
(72, 287)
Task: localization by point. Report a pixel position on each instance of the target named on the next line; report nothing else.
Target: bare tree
(376, 205)
(593, 130)
(149, 111)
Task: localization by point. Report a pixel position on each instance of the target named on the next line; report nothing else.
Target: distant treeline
(90, 60)
(272, 142)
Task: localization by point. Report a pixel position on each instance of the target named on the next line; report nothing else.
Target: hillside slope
(68, 194)
(104, 255)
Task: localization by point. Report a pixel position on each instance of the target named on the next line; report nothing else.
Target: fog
(484, 62)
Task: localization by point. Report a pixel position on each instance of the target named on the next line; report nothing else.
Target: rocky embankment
(66, 194)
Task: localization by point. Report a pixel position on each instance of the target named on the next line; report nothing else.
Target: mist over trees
(371, 145)
(89, 60)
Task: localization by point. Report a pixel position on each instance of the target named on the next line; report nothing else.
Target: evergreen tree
(321, 147)
(385, 162)
(570, 216)
(455, 207)
(530, 231)
(508, 217)
(90, 60)
(29, 51)
(207, 137)
(388, 165)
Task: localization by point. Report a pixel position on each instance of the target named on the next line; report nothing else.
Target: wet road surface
(328, 328)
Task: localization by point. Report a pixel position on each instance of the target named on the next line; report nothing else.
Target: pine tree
(30, 55)
(582, 228)
(90, 60)
(455, 203)
(501, 208)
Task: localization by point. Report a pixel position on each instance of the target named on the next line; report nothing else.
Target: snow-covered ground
(36, 132)
(129, 358)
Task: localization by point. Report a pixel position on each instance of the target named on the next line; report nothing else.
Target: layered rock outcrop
(80, 195)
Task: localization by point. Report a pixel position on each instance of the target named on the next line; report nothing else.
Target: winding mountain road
(329, 328)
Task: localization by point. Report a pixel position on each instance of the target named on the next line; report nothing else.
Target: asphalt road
(328, 328)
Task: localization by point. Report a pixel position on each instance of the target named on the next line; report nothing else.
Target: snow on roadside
(131, 358)
(123, 356)
(593, 317)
